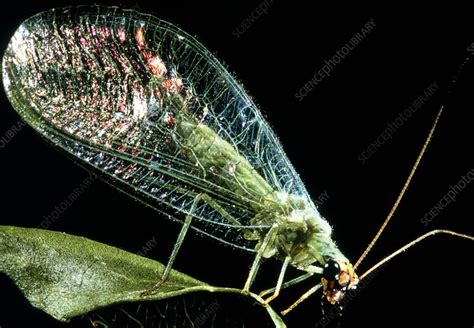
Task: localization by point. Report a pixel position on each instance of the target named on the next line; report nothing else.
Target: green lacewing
(151, 109)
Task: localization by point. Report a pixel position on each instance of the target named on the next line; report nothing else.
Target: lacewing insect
(147, 106)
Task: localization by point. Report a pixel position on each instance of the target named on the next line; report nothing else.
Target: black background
(323, 135)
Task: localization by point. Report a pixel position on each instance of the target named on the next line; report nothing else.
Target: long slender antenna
(302, 298)
(410, 244)
(402, 192)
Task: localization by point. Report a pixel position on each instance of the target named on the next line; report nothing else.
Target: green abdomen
(220, 162)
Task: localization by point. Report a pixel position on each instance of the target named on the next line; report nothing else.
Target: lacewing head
(338, 278)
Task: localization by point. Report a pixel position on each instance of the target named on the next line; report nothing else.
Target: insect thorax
(301, 233)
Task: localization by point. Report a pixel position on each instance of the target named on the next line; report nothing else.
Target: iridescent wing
(107, 86)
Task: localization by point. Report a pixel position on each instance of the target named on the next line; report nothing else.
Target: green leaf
(67, 276)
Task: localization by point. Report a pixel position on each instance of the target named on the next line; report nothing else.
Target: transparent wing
(115, 88)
